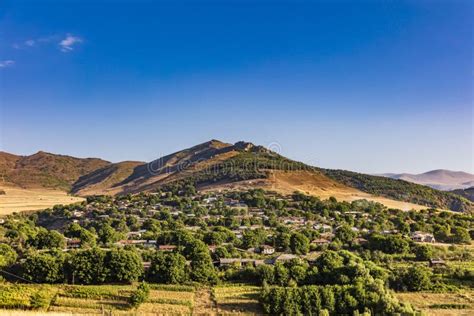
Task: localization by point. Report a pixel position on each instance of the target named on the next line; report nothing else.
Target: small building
(284, 257)
(322, 227)
(320, 242)
(360, 241)
(328, 235)
(437, 262)
(266, 250)
(77, 214)
(141, 242)
(422, 237)
(169, 248)
(136, 234)
(239, 262)
(73, 243)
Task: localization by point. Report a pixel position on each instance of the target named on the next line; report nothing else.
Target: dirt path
(204, 304)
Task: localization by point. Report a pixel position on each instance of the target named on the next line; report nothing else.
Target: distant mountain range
(440, 179)
(215, 165)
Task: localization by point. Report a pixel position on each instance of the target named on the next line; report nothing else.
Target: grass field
(441, 304)
(17, 199)
(17, 300)
(93, 300)
(237, 299)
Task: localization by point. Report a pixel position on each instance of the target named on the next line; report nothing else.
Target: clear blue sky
(379, 86)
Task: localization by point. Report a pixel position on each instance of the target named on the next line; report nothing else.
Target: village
(251, 234)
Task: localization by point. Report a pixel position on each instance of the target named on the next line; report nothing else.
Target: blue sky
(377, 86)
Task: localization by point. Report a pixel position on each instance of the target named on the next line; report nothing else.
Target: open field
(230, 299)
(18, 199)
(237, 299)
(441, 304)
(93, 300)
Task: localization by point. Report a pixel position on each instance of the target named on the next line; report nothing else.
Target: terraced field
(94, 300)
(232, 299)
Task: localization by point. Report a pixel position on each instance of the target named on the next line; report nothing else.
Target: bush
(41, 299)
(416, 278)
(140, 295)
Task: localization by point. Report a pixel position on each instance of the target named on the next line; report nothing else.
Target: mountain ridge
(217, 165)
(440, 179)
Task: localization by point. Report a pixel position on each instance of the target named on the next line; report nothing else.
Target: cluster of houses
(242, 262)
(422, 237)
(143, 211)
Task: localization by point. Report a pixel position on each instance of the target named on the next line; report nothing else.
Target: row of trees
(331, 267)
(363, 296)
(97, 266)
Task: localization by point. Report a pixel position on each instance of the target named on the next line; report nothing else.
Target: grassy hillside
(254, 163)
(401, 190)
(45, 170)
(100, 180)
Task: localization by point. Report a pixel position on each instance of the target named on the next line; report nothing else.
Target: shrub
(140, 295)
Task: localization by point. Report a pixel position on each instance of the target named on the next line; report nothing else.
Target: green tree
(461, 235)
(47, 239)
(88, 266)
(299, 244)
(123, 265)
(87, 238)
(266, 274)
(7, 255)
(168, 268)
(108, 235)
(415, 278)
(44, 268)
(423, 252)
(345, 234)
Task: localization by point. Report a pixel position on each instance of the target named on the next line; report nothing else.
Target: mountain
(466, 193)
(46, 170)
(440, 179)
(215, 165)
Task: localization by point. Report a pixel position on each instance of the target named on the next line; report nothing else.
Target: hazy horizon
(370, 87)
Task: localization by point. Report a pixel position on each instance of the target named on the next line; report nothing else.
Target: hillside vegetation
(466, 193)
(45, 170)
(401, 190)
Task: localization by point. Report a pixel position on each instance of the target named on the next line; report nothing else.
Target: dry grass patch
(163, 309)
(441, 303)
(237, 300)
(5, 312)
(17, 199)
(173, 297)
